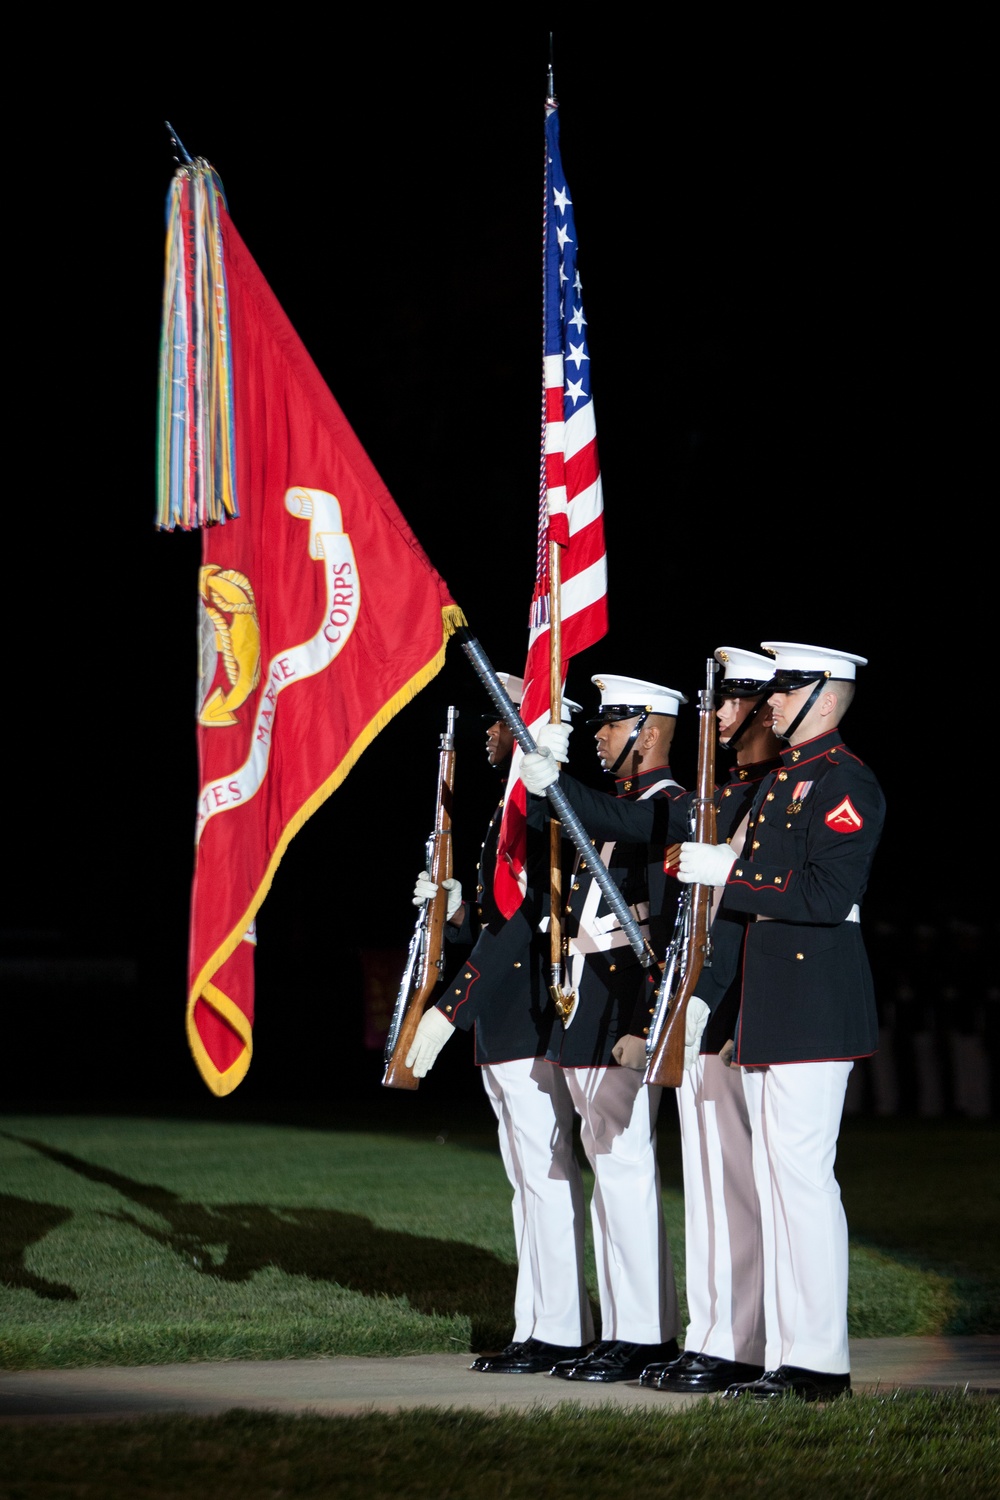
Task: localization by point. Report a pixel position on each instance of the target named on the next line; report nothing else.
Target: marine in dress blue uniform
(725, 1259)
(501, 993)
(723, 1237)
(807, 1005)
(614, 992)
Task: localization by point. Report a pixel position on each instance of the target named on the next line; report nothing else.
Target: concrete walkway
(346, 1386)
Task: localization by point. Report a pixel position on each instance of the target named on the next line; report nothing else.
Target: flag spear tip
(552, 82)
(176, 141)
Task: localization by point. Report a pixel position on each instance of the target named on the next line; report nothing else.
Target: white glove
(695, 1021)
(539, 770)
(705, 864)
(630, 1052)
(430, 1036)
(454, 890)
(425, 890)
(555, 737)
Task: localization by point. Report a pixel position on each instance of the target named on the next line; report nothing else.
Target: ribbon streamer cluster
(196, 454)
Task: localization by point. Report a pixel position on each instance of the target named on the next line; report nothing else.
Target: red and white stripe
(574, 520)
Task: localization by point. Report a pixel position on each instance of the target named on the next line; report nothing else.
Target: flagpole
(555, 715)
(555, 831)
(484, 670)
(175, 140)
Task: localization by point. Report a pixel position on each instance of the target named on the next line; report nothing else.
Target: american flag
(571, 503)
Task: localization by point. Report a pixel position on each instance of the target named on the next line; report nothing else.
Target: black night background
(782, 246)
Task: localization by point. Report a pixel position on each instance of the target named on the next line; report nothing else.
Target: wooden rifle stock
(424, 971)
(666, 1066)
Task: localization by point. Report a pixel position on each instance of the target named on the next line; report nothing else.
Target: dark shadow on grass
(232, 1241)
(976, 1299)
(23, 1223)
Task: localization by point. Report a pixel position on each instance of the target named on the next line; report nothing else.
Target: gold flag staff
(564, 1002)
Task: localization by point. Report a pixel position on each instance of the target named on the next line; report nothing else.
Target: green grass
(912, 1446)
(139, 1241)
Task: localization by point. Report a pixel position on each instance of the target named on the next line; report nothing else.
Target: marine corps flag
(320, 615)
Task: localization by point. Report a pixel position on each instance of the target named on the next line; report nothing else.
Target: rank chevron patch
(844, 818)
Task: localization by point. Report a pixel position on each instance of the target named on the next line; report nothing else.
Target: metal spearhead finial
(177, 143)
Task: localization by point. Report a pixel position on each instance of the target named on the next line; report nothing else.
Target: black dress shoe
(530, 1357)
(651, 1374)
(790, 1380)
(614, 1359)
(701, 1374)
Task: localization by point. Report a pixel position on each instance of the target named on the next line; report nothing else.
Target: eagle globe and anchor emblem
(228, 628)
(229, 623)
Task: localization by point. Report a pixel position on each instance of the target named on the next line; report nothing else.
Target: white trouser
(795, 1112)
(535, 1125)
(724, 1250)
(635, 1274)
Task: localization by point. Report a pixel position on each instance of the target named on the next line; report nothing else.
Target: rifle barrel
(666, 1064)
(426, 956)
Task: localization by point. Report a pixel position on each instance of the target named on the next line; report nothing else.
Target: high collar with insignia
(755, 771)
(634, 786)
(799, 755)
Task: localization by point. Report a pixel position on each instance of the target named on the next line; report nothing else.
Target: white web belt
(602, 934)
